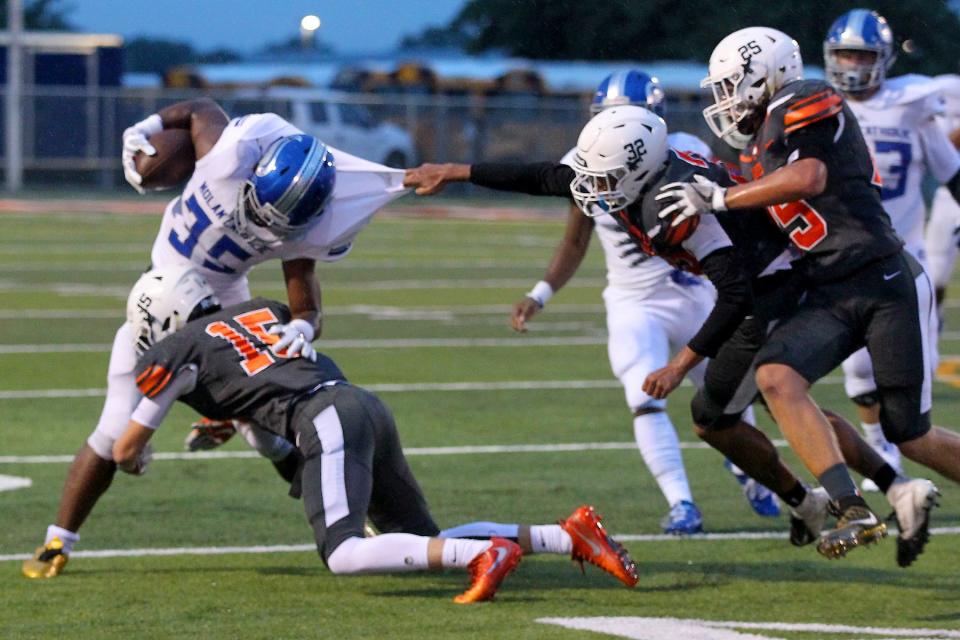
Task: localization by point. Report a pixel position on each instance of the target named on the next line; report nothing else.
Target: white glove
(682, 200)
(295, 338)
(137, 138)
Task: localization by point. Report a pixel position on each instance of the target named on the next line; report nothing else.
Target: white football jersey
(199, 226)
(627, 266)
(900, 125)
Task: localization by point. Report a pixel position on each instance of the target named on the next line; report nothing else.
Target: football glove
(137, 138)
(206, 434)
(295, 338)
(682, 200)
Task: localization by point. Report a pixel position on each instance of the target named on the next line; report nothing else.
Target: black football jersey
(756, 239)
(845, 227)
(238, 376)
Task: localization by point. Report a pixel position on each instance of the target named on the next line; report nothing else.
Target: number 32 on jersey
(804, 226)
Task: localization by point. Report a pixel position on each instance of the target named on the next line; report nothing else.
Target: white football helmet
(165, 299)
(619, 152)
(746, 69)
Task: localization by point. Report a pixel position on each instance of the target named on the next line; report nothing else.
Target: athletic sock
(873, 434)
(482, 530)
(388, 552)
(795, 495)
(838, 483)
(550, 538)
(884, 477)
(458, 552)
(68, 538)
(657, 440)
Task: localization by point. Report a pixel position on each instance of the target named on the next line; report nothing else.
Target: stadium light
(308, 29)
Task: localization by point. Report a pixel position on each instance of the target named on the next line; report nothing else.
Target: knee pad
(268, 444)
(868, 399)
(102, 443)
(708, 415)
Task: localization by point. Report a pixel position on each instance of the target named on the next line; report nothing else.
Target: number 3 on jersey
(254, 360)
(804, 226)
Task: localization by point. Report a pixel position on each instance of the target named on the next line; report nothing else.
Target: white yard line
(288, 548)
(410, 451)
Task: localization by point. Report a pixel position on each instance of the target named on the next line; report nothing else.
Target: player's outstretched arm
(566, 260)
(800, 180)
(430, 179)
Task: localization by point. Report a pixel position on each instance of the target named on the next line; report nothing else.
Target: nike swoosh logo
(891, 276)
(593, 545)
(501, 555)
(872, 520)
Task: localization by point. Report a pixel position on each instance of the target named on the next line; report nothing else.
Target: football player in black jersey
(221, 364)
(811, 169)
(620, 162)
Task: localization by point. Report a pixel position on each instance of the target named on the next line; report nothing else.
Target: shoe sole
(909, 548)
(838, 543)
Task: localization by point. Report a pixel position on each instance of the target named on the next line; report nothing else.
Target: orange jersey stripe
(148, 385)
(827, 106)
(142, 376)
(161, 385)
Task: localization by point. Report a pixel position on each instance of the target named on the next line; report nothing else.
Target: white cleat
(806, 520)
(912, 501)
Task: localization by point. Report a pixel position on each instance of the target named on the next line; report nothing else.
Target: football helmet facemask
(746, 69)
(291, 185)
(858, 30)
(619, 152)
(163, 300)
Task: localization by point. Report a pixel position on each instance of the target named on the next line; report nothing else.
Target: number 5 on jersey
(805, 227)
(254, 323)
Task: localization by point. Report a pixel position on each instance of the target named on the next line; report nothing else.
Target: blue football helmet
(290, 187)
(629, 87)
(858, 30)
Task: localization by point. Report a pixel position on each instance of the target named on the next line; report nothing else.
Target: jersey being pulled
(199, 226)
(845, 227)
(628, 267)
(899, 123)
(238, 376)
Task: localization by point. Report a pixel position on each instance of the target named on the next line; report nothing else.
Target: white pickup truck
(333, 117)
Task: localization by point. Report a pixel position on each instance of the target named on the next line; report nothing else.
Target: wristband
(718, 202)
(541, 293)
(303, 327)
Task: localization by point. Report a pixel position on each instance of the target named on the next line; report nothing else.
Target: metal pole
(14, 146)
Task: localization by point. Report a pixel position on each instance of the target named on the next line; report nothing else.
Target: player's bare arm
(430, 179)
(799, 180)
(662, 382)
(565, 262)
(303, 294)
(128, 450)
(205, 119)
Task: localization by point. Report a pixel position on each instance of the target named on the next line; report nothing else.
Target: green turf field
(419, 305)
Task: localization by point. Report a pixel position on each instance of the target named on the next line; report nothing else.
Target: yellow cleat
(48, 561)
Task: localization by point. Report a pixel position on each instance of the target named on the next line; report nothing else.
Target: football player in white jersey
(943, 228)
(898, 118)
(652, 308)
(260, 190)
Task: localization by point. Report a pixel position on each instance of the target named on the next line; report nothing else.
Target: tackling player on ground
(261, 190)
(898, 118)
(224, 363)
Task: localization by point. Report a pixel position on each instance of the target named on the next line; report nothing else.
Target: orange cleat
(489, 569)
(592, 543)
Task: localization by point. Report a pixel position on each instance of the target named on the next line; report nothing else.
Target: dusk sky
(246, 25)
